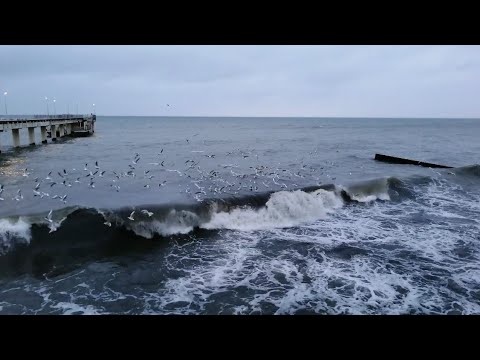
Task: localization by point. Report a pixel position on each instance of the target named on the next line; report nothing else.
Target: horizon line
(271, 116)
(292, 117)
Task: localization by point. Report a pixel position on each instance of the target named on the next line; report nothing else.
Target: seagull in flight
(49, 217)
(146, 212)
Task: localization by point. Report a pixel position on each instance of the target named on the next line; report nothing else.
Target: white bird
(146, 212)
(107, 223)
(131, 215)
(36, 193)
(49, 217)
(19, 195)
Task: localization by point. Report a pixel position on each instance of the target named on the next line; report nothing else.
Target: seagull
(131, 215)
(101, 174)
(91, 183)
(78, 180)
(36, 193)
(49, 217)
(107, 223)
(175, 171)
(86, 167)
(96, 165)
(37, 186)
(146, 186)
(63, 198)
(146, 212)
(162, 162)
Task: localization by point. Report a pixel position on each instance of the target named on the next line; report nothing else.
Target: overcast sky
(350, 81)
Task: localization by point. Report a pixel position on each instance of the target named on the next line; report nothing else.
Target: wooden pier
(50, 127)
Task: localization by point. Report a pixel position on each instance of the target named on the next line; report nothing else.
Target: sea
(243, 216)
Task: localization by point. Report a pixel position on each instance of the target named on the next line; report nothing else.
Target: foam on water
(402, 268)
(75, 309)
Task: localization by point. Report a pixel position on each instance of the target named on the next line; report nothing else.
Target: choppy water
(253, 216)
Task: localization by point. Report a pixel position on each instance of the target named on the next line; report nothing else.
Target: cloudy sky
(350, 81)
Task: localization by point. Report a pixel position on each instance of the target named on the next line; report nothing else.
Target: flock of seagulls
(193, 180)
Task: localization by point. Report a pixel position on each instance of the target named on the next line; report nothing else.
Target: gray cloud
(400, 81)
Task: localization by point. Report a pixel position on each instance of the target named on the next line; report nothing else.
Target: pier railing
(43, 117)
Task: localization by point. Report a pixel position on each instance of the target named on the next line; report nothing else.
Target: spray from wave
(283, 209)
(12, 232)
